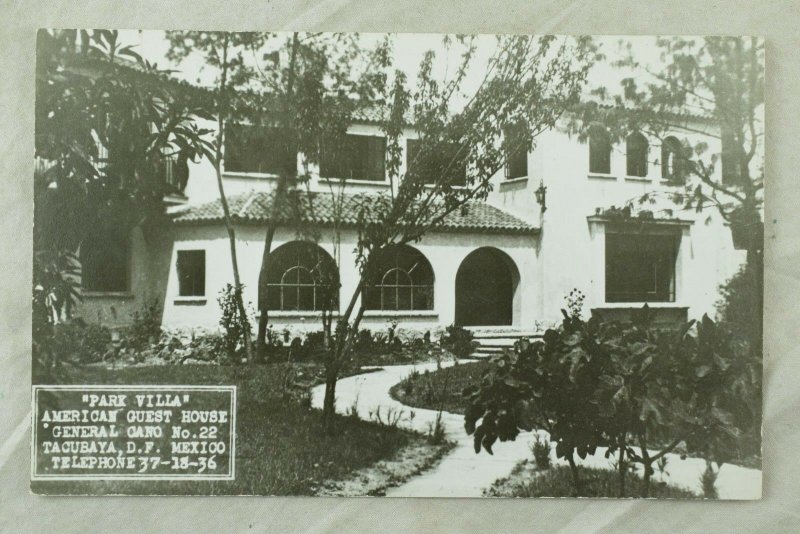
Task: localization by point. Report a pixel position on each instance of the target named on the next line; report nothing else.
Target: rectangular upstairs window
(253, 149)
(104, 257)
(641, 267)
(446, 165)
(192, 273)
(356, 157)
(516, 153)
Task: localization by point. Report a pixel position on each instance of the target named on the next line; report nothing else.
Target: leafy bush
(708, 481)
(738, 308)
(459, 341)
(233, 323)
(80, 342)
(557, 482)
(146, 327)
(591, 384)
(541, 452)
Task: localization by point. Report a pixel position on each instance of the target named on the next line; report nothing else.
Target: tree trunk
(576, 482)
(263, 318)
(648, 470)
(622, 469)
(335, 358)
(329, 403)
(235, 265)
(221, 111)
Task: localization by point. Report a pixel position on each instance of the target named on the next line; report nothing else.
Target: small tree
(306, 88)
(528, 82)
(106, 120)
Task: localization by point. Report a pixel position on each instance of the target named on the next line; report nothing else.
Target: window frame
(514, 168)
(296, 264)
(125, 286)
(673, 168)
(637, 150)
(203, 264)
(265, 140)
(413, 287)
(599, 140)
(649, 257)
(330, 168)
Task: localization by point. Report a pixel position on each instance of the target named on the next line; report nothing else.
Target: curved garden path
(462, 473)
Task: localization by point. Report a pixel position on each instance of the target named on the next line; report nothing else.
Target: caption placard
(133, 432)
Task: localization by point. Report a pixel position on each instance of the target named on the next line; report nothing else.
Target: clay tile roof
(254, 208)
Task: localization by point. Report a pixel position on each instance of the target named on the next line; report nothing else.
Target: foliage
(557, 482)
(575, 303)
(427, 389)
(105, 122)
(708, 481)
(233, 323)
(591, 384)
(80, 342)
(541, 452)
(145, 329)
(436, 432)
(459, 341)
(737, 308)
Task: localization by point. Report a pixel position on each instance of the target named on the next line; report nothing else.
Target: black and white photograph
(397, 264)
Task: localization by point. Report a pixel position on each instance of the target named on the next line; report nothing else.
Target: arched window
(672, 160)
(303, 277)
(599, 150)
(403, 281)
(636, 149)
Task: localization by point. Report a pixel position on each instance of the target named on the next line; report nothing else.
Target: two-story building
(508, 262)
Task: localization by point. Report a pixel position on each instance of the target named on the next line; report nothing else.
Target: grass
(441, 388)
(280, 449)
(557, 482)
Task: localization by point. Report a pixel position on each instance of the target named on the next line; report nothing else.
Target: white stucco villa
(507, 262)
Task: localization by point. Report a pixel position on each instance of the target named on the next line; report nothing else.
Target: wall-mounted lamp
(541, 196)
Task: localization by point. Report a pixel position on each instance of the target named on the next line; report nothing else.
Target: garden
(281, 446)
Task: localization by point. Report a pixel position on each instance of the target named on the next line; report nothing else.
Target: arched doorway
(486, 284)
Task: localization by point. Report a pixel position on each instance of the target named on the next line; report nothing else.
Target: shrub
(81, 342)
(459, 341)
(541, 452)
(737, 307)
(436, 433)
(146, 327)
(233, 323)
(591, 384)
(708, 481)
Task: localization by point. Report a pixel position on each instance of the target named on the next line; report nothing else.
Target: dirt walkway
(462, 473)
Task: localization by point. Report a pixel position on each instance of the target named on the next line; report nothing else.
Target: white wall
(573, 250)
(444, 251)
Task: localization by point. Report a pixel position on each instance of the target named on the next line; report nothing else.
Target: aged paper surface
(773, 512)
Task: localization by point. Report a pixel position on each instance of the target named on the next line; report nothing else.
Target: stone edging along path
(462, 473)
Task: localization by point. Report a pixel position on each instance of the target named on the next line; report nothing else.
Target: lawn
(440, 389)
(279, 449)
(528, 481)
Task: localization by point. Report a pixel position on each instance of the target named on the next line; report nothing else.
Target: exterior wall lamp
(541, 196)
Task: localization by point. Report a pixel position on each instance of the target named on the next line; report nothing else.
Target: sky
(408, 52)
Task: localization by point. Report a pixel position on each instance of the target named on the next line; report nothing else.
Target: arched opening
(636, 149)
(486, 289)
(673, 161)
(301, 276)
(599, 150)
(403, 281)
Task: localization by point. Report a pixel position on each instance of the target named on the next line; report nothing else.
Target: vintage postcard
(416, 265)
